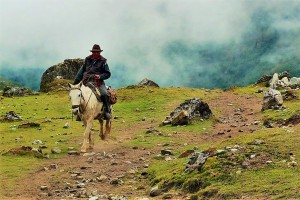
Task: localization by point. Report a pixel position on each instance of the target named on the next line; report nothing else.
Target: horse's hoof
(90, 148)
(102, 137)
(83, 150)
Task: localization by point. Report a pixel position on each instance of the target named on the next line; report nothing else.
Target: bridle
(81, 99)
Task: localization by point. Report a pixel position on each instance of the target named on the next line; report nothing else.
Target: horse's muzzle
(75, 109)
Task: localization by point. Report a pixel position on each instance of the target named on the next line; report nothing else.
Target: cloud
(133, 33)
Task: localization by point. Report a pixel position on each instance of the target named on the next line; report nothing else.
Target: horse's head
(75, 97)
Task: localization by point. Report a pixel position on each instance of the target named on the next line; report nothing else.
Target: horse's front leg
(91, 140)
(107, 128)
(88, 127)
(101, 129)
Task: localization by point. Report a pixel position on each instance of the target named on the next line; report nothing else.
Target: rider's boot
(106, 107)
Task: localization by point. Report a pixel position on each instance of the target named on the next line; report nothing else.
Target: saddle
(112, 94)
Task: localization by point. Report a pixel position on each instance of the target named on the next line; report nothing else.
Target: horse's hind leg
(88, 127)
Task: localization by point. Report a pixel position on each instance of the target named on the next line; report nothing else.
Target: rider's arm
(105, 73)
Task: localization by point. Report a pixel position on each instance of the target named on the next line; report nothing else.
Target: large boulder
(188, 110)
(66, 70)
(272, 99)
(17, 91)
(147, 82)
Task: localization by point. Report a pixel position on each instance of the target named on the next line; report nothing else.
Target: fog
(172, 42)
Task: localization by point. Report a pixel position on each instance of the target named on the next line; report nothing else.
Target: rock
(17, 91)
(260, 90)
(67, 70)
(285, 82)
(182, 118)
(94, 198)
(80, 185)
(264, 78)
(274, 81)
(37, 142)
(272, 99)
(56, 150)
(66, 125)
(116, 181)
(292, 164)
(102, 178)
(295, 81)
(155, 191)
(293, 120)
(29, 124)
(53, 166)
(147, 82)
(44, 187)
(166, 152)
(185, 112)
(89, 154)
(11, 116)
(196, 161)
(73, 152)
(258, 142)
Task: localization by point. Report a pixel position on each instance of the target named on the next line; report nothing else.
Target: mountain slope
(128, 165)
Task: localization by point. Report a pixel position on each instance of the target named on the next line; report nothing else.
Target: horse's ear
(80, 84)
(69, 86)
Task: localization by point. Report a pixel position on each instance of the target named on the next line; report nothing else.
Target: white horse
(88, 108)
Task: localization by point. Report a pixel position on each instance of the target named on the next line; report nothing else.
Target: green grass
(217, 179)
(52, 111)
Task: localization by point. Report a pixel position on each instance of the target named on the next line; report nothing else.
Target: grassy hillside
(258, 170)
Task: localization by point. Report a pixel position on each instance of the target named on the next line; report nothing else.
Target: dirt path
(117, 172)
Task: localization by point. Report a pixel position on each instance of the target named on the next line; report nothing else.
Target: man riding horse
(95, 69)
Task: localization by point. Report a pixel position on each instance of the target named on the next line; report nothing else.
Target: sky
(132, 33)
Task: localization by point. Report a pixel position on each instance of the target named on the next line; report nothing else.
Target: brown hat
(96, 47)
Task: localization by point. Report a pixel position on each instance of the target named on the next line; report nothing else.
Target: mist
(192, 43)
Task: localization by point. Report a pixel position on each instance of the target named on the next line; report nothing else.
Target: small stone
(89, 154)
(53, 166)
(80, 185)
(292, 164)
(155, 191)
(166, 152)
(66, 125)
(258, 142)
(56, 150)
(115, 181)
(168, 158)
(37, 142)
(44, 187)
(101, 178)
(252, 156)
(73, 153)
(233, 150)
(132, 171)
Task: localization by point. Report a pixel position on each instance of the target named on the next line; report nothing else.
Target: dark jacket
(92, 67)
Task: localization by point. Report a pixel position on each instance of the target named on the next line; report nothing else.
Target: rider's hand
(97, 76)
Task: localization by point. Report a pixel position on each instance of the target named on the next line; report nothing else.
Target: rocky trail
(114, 171)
